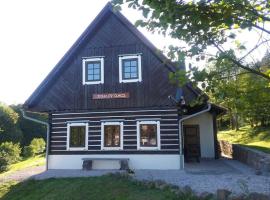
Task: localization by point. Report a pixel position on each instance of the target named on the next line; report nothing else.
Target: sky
(35, 34)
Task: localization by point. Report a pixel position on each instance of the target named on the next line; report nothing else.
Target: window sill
(111, 148)
(148, 148)
(77, 149)
(93, 83)
(130, 81)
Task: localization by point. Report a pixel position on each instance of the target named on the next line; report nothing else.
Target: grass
(109, 187)
(26, 163)
(5, 187)
(256, 138)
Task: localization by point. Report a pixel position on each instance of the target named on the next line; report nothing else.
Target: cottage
(109, 99)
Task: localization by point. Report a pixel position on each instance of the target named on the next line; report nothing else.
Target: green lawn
(26, 163)
(257, 138)
(109, 187)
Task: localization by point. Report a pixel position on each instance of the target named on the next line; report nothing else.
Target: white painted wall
(136, 161)
(205, 122)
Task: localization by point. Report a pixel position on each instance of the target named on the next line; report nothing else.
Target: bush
(9, 154)
(36, 146)
(28, 152)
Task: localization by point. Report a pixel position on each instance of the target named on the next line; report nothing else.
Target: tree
(223, 88)
(207, 23)
(30, 129)
(246, 95)
(9, 130)
(16, 129)
(256, 96)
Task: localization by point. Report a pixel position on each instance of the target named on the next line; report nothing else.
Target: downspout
(48, 129)
(181, 141)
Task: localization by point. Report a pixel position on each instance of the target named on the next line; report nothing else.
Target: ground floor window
(77, 136)
(148, 135)
(112, 135)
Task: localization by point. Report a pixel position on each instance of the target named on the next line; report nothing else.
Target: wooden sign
(111, 96)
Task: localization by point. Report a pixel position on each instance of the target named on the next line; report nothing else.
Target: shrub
(28, 152)
(3, 164)
(37, 146)
(9, 154)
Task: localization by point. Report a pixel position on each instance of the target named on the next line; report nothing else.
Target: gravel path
(23, 174)
(209, 183)
(212, 175)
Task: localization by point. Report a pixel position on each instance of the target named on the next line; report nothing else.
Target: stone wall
(256, 159)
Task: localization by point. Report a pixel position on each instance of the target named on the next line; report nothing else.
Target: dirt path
(22, 174)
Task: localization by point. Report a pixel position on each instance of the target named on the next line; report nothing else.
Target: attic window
(93, 71)
(130, 68)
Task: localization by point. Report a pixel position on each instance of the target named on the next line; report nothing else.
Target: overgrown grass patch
(256, 138)
(26, 163)
(102, 188)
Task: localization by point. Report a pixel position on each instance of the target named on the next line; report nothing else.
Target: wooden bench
(88, 162)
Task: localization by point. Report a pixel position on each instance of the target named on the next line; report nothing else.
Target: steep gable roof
(90, 31)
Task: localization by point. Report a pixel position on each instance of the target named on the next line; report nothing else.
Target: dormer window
(130, 68)
(93, 70)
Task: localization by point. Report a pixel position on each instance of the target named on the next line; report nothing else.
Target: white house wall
(205, 122)
(144, 161)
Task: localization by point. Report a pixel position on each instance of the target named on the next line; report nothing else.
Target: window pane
(133, 75)
(133, 69)
(148, 135)
(96, 77)
(127, 69)
(127, 63)
(134, 63)
(77, 136)
(96, 71)
(112, 136)
(127, 75)
(93, 71)
(90, 77)
(90, 66)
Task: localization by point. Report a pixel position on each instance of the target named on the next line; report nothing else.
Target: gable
(109, 35)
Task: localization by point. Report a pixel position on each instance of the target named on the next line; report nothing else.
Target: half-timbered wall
(169, 136)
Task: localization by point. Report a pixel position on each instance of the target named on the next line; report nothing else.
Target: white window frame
(86, 136)
(123, 57)
(103, 134)
(84, 61)
(139, 147)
